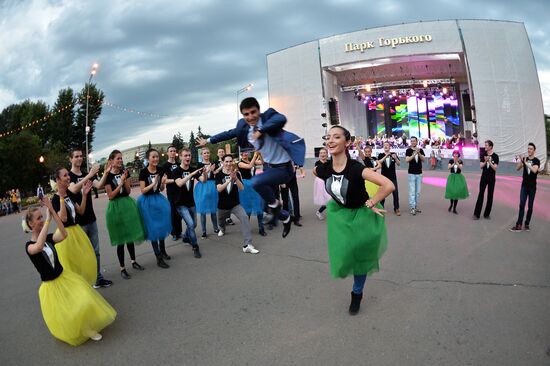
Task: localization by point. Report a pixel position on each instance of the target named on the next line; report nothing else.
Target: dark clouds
(188, 60)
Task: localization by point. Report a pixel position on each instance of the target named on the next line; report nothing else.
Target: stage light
(368, 88)
(445, 90)
(365, 101)
(367, 97)
(452, 97)
(425, 83)
(394, 93)
(379, 99)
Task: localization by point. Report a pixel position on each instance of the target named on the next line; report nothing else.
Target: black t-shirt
(89, 215)
(185, 192)
(48, 269)
(211, 175)
(113, 180)
(319, 162)
(346, 187)
(246, 173)
(146, 176)
(452, 168)
(388, 166)
(530, 178)
(172, 190)
(70, 206)
(415, 165)
(370, 162)
(229, 197)
(487, 171)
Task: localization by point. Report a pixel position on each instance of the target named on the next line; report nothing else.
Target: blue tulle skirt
(155, 214)
(206, 197)
(251, 201)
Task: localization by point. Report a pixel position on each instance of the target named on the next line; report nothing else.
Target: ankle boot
(355, 303)
(161, 263)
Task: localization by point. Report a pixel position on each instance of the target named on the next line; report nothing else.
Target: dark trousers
(395, 195)
(526, 192)
(291, 186)
(266, 183)
(484, 183)
(176, 219)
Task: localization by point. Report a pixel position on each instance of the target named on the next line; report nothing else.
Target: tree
(149, 147)
(95, 102)
(60, 128)
(178, 142)
(193, 147)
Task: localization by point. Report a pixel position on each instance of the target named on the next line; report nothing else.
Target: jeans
(415, 183)
(189, 215)
(484, 183)
(92, 232)
(359, 283)
(243, 218)
(395, 195)
(526, 192)
(266, 183)
(176, 219)
(214, 219)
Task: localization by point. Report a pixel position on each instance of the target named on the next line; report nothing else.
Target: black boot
(355, 303)
(161, 263)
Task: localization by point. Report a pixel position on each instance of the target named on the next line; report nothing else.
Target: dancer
(153, 207)
(488, 165)
(122, 215)
(228, 183)
(367, 158)
(185, 204)
(387, 161)
(530, 165)
(250, 200)
(456, 188)
(320, 195)
(87, 221)
(415, 157)
(357, 236)
(279, 148)
(206, 195)
(72, 311)
(172, 191)
(76, 252)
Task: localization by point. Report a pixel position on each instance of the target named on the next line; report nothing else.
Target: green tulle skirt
(456, 188)
(357, 239)
(124, 221)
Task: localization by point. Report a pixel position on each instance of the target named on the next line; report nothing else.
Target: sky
(185, 60)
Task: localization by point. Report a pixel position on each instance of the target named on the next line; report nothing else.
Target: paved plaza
(451, 291)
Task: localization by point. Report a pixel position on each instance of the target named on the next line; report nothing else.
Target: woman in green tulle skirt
(456, 188)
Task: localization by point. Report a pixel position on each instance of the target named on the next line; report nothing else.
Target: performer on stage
(228, 183)
(172, 191)
(456, 188)
(280, 150)
(154, 208)
(72, 311)
(415, 157)
(87, 221)
(122, 215)
(488, 165)
(76, 252)
(387, 161)
(320, 195)
(185, 177)
(530, 165)
(251, 201)
(206, 195)
(357, 236)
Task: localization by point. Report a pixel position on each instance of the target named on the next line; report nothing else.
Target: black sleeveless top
(42, 261)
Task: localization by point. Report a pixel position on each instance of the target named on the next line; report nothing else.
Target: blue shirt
(272, 151)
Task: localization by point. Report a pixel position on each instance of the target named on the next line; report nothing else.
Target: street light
(93, 71)
(41, 159)
(239, 92)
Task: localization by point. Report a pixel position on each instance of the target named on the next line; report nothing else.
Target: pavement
(451, 291)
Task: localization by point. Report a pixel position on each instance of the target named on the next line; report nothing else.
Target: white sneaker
(220, 233)
(96, 337)
(319, 215)
(250, 249)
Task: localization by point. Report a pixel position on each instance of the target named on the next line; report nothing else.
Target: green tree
(193, 147)
(60, 128)
(149, 147)
(19, 156)
(178, 142)
(95, 101)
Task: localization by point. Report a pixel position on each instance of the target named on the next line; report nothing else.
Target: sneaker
(319, 215)
(166, 256)
(102, 283)
(220, 233)
(197, 252)
(515, 229)
(250, 249)
(527, 228)
(96, 337)
(413, 211)
(216, 231)
(138, 266)
(228, 221)
(417, 210)
(204, 236)
(125, 275)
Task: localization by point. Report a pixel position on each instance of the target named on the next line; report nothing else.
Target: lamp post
(239, 92)
(93, 71)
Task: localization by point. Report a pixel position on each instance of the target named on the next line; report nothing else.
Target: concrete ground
(451, 291)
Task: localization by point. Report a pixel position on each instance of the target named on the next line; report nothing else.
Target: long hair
(347, 136)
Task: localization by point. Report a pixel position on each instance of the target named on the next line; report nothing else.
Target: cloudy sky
(187, 61)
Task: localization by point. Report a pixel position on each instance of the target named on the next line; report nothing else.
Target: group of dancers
(351, 194)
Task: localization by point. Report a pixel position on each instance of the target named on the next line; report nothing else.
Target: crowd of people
(262, 183)
(402, 142)
(10, 202)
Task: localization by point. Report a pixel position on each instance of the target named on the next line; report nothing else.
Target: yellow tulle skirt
(76, 254)
(73, 311)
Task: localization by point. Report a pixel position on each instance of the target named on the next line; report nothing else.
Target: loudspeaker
(316, 151)
(334, 116)
(467, 107)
